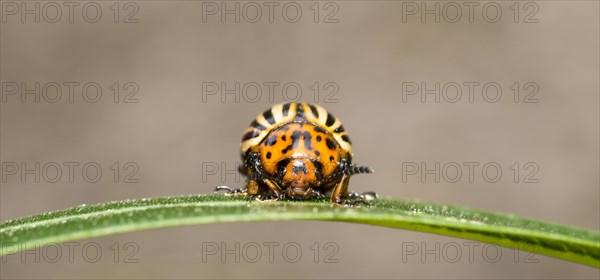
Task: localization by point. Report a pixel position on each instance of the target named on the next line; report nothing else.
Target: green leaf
(571, 244)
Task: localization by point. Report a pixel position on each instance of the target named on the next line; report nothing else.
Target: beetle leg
(340, 191)
(274, 187)
(252, 189)
(340, 194)
(243, 170)
(313, 194)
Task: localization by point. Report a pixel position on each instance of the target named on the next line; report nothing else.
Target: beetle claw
(230, 191)
(355, 199)
(370, 196)
(220, 188)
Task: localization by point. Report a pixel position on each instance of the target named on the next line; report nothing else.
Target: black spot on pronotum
(330, 143)
(295, 138)
(340, 129)
(285, 109)
(258, 126)
(346, 138)
(250, 134)
(268, 155)
(318, 138)
(330, 120)
(314, 111)
(271, 140)
(293, 145)
(269, 116)
(307, 140)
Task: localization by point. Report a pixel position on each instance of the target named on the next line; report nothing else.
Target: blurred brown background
(165, 54)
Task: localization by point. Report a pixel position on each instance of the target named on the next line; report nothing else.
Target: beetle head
(299, 178)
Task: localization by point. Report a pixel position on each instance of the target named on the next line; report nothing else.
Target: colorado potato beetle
(298, 151)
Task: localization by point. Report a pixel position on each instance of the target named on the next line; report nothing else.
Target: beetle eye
(281, 167)
(318, 169)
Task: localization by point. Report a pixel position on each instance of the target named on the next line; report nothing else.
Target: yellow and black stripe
(284, 113)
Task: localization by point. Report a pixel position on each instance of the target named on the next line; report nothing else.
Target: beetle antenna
(351, 170)
(355, 169)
